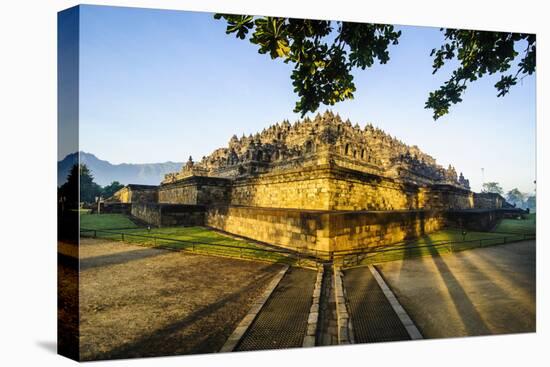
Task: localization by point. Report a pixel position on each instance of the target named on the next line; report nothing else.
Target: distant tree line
(89, 190)
(521, 200)
(514, 196)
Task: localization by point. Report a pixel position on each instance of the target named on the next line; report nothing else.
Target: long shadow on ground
(118, 258)
(471, 319)
(166, 341)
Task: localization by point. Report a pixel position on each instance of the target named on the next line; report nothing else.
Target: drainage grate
(372, 316)
(282, 322)
(327, 328)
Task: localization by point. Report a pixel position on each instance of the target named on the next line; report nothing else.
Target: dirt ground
(484, 291)
(138, 302)
(67, 299)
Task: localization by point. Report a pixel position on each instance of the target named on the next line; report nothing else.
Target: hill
(105, 172)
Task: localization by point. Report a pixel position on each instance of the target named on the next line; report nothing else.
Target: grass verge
(105, 221)
(527, 225)
(436, 243)
(194, 239)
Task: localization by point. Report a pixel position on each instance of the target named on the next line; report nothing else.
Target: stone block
(312, 318)
(311, 329)
(309, 341)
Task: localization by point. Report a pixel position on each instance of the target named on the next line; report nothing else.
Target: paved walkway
(483, 291)
(372, 316)
(282, 322)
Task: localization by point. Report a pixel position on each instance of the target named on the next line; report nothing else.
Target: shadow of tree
(469, 315)
(118, 258)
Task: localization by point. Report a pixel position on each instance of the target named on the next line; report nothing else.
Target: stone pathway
(282, 321)
(484, 291)
(479, 292)
(372, 316)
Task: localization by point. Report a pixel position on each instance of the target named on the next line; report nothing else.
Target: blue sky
(159, 85)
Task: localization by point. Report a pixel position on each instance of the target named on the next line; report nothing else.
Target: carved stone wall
(324, 187)
(344, 230)
(295, 229)
(358, 229)
(445, 197)
(299, 189)
(121, 196)
(167, 215)
(489, 200)
(324, 230)
(135, 193)
(196, 190)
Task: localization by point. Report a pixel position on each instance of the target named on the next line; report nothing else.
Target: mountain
(105, 172)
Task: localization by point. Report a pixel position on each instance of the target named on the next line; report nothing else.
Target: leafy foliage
(89, 190)
(492, 187)
(479, 53)
(110, 189)
(323, 61)
(81, 176)
(68, 192)
(322, 66)
(531, 202)
(516, 197)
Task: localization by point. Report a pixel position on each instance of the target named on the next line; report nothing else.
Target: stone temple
(318, 184)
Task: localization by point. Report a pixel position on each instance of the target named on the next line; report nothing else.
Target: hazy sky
(159, 85)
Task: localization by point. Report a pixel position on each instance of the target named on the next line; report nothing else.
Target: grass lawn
(105, 221)
(517, 225)
(196, 239)
(424, 246)
(203, 240)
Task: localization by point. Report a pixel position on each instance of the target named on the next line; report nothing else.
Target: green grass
(203, 240)
(198, 235)
(452, 235)
(105, 221)
(436, 243)
(195, 239)
(517, 225)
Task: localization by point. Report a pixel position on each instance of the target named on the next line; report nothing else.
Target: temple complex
(313, 142)
(322, 163)
(321, 183)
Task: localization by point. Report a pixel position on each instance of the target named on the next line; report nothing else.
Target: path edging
(404, 317)
(345, 330)
(313, 318)
(242, 327)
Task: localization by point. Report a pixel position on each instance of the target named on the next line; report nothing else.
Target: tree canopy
(492, 187)
(479, 53)
(516, 197)
(80, 176)
(69, 190)
(531, 202)
(322, 66)
(89, 190)
(110, 189)
(325, 52)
